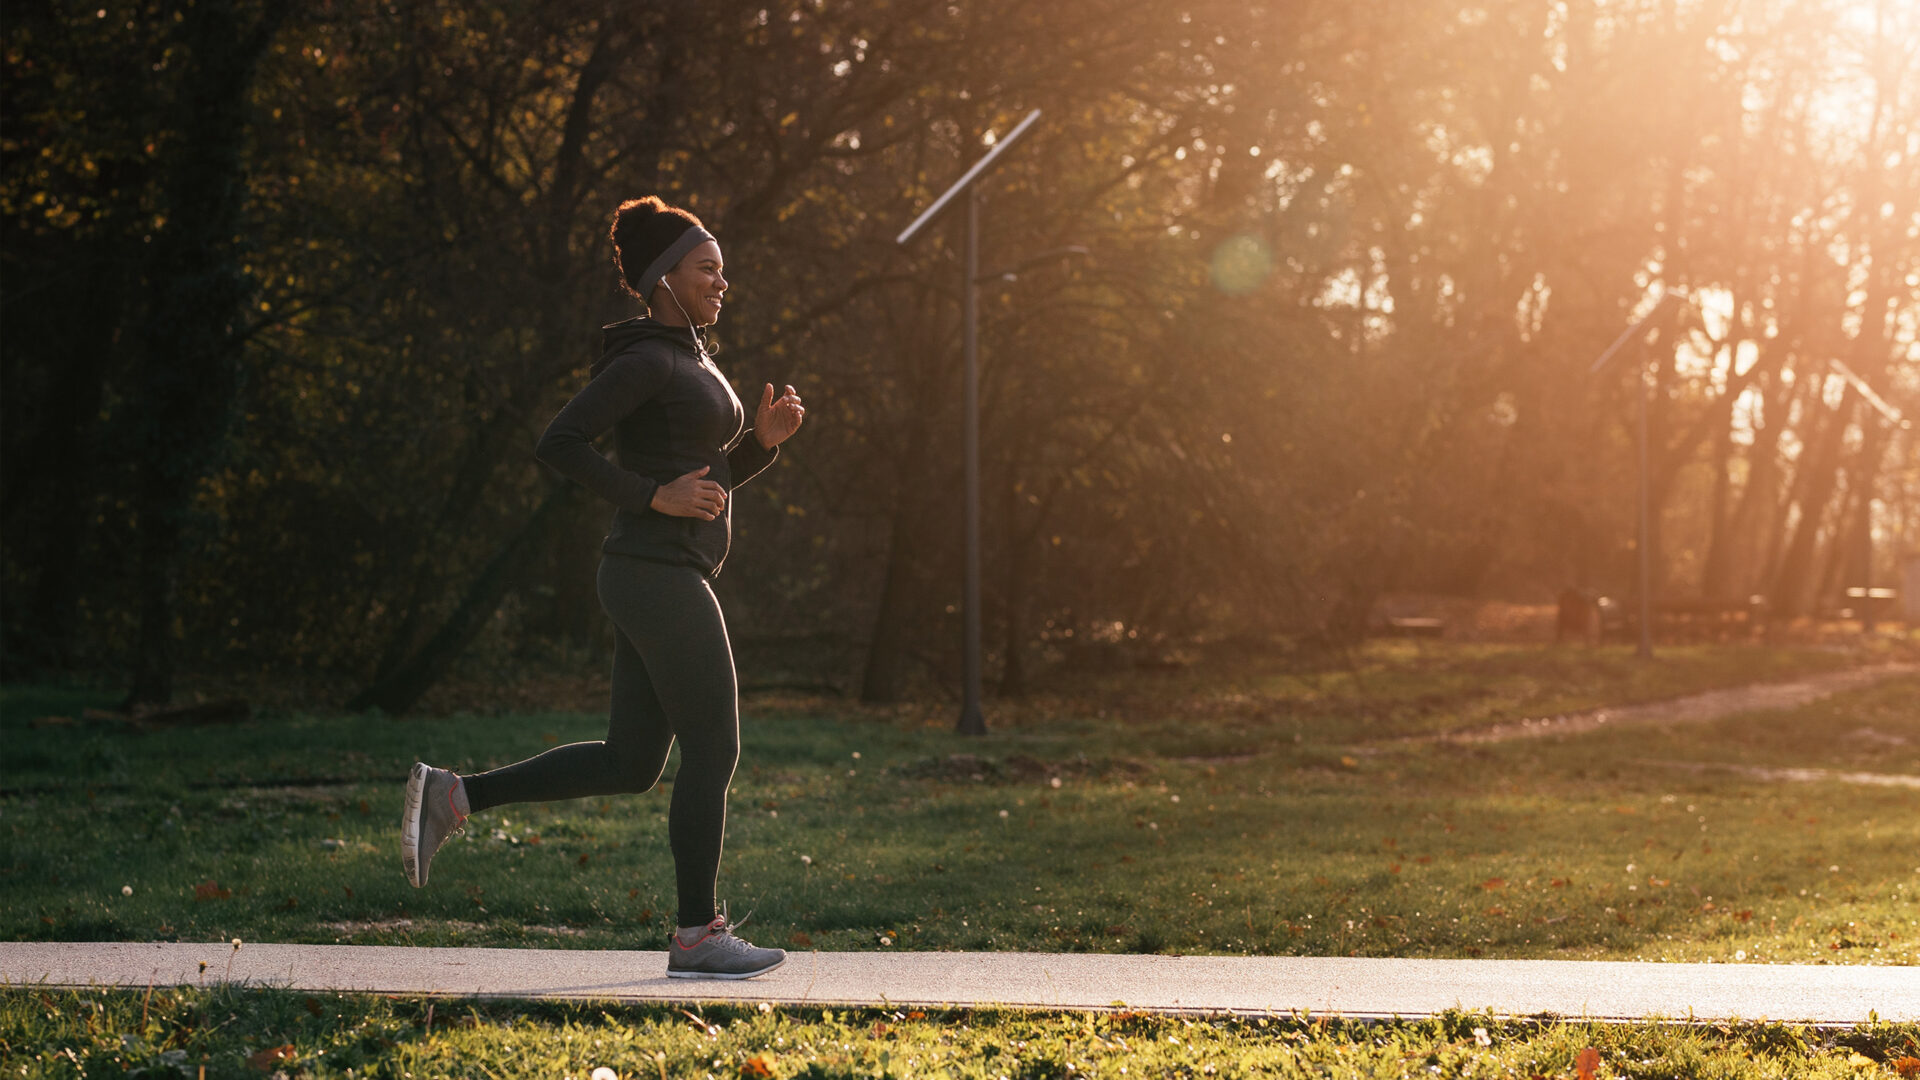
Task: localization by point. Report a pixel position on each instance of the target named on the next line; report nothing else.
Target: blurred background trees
(290, 291)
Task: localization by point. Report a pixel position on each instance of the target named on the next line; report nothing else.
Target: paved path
(1183, 984)
(1692, 709)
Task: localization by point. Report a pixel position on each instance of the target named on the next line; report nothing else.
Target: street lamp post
(972, 721)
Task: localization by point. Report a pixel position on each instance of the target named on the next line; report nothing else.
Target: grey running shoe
(436, 808)
(720, 954)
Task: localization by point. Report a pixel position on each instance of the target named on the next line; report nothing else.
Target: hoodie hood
(619, 337)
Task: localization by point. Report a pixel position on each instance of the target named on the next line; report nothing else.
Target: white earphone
(699, 345)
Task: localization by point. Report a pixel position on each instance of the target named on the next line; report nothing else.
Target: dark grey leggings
(672, 678)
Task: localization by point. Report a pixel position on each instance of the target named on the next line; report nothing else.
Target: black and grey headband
(670, 258)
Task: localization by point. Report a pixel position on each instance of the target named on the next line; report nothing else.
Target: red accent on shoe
(702, 937)
(458, 817)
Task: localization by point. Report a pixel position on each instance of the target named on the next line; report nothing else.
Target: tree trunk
(572, 611)
(54, 484)
(191, 380)
(1715, 573)
(1818, 473)
(1836, 562)
(400, 691)
(556, 275)
(884, 680)
(1848, 563)
(1760, 521)
(1014, 592)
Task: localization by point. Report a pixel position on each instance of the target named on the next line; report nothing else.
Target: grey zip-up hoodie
(671, 413)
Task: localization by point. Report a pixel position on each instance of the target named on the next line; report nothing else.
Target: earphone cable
(699, 343)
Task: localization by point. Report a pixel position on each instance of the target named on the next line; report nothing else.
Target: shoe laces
(721, 931)
(724, 939)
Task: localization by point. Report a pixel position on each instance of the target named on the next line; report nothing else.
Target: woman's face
(693, 289)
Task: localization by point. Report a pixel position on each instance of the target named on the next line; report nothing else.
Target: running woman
(683, 447)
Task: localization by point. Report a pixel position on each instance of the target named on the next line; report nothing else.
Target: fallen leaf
(1494, 883)
(800, 939)
(1907, 1066)
(757, 1067)
(273, 1056)
(1587, 1061)
(210, 890)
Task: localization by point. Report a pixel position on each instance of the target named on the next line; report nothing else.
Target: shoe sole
(410, 824)
(672, 974)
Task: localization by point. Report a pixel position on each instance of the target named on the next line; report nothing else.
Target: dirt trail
(1692, 709)
(1761, 772)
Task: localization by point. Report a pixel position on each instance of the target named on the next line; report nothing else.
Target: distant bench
(1413, 626)
(1686, 620)
(1883, 603)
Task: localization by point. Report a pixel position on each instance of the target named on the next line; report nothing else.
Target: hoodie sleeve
(749, 459)
(567, 445)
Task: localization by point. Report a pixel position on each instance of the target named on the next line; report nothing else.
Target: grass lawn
(250, 1034)
(1264, 811)
(1289, 831)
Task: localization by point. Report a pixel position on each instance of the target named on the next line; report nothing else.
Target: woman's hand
(776, 421)
(690, 496)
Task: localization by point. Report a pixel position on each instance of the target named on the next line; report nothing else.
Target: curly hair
(642, 229)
